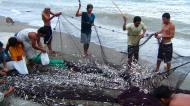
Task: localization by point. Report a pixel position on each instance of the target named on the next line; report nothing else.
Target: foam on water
(182, 47)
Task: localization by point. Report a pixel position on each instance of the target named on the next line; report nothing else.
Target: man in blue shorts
(86, 26)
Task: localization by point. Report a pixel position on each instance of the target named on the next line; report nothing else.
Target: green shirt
(134, 33)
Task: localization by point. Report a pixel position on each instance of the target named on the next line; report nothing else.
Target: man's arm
(34, 40)
(144, 30)
(93, 20)
(47, 18)
(78, 13)
(10, 90)
(55, 14)
(52, 13)
(125, 23)
(159, 32)
(39, 43)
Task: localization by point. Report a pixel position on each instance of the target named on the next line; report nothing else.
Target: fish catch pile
(50, 85)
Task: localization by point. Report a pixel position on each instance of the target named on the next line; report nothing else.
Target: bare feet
(86, 55)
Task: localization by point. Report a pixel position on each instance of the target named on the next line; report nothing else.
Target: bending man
(31, 41)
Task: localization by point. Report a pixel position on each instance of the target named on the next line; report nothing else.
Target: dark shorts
(48, 37)
(165, 53)
(133, 51)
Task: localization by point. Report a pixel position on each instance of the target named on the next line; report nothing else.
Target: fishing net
(101, 77)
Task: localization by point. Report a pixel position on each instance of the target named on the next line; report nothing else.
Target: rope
(180, 81)
(101, 47)
(79, 1)
(71, 37)
(180, 56)
(167, 73)
(56, 23)
(138, 46)
(71, 22)
(60, 34)
(98, 26)
(102, 51)
(117, 7)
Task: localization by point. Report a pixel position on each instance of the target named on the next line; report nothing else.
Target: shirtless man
(168, 98)
(46, 17)
(165, 36)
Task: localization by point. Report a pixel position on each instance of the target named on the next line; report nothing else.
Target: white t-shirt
(23, 36)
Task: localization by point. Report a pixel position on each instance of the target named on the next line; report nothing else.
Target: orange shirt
(16, 52)
(168, 30)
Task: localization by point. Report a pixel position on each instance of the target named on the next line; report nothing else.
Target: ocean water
(108, 16)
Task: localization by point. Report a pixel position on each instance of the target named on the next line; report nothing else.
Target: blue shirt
(4, 56)
(87, 22)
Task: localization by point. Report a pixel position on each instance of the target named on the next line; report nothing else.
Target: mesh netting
(101, 77)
